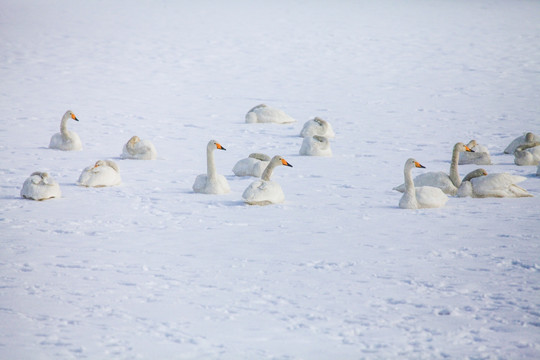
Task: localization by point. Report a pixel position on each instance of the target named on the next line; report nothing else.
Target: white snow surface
(150, 270)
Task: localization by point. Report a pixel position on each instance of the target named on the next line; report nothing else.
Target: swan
(211, 182)
(448, 183)
(102, 173)
(528, 154)
(139, 149)
(419, 197)
(479, 185)
(265, 191)
(265, 114)
(480, 156)
(253, 165)
(521, 140)
(316, 145)
(40, 186)
(66, 140)
(317, 126)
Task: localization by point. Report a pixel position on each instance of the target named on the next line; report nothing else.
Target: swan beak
(485, 172)
(74, 117)
(220, 147)
(418, 165)
(284, 162)
(468, 149)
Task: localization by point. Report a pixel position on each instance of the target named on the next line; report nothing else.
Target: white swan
(317, 126)
(40, 186)
(492, 185)
(316, 145)
(480, 156)
(102, 173)
(265, 191)
(528, 154)
(265, 114)
(448, 183)
(422, 196)
(211, 182)
(521, 140)
(66, 140)
(253, 165)
(139, 149)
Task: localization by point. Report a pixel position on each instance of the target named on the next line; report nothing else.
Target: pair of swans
(40, 186)
(139, 149)
(66, 140)
(266, 114)
(479, 156)
(102, 173)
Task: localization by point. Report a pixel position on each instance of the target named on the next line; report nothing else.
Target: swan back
(253, 165)
(316, 146)
(498, 185)
(317, 126)
(265, 114)
(527, 154)
(466, 189)
(139, 149)
(480, 156)
(102, 173)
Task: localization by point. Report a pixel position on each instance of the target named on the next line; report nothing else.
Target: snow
(151, 270)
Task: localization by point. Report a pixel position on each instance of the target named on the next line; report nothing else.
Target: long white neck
(63, 124)
(210, 164)
(267, 173)
(408, 200)
(454, 174)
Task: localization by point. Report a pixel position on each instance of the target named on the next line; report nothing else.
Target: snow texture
(150, 270)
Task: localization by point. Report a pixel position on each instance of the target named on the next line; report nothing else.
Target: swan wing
(430, 197)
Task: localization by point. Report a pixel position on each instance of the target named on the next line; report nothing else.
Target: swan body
(317, 126)
(316, 146)
(493, 185)
(265, 114)
(521, 140)
(480, 156)
(211, 182)
(66, 140)
(448, 183)
(527, 154)
(465, 189)
(102, 173)
(264, 191)
(253, 165)
(40, 186)
(422, 196)
(139, 149)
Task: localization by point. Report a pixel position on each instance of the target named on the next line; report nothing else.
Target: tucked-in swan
(480, 156)
(316, 145)
(317, 126)
(265, 114)
(422, 196)
(448, 183)
(40, 186)
(211, 182)
(521, 140)
(139, 149)
(479, 184)
(66, 140)
(265, 191)
(102, 173)
(253, 165)
(528, 154)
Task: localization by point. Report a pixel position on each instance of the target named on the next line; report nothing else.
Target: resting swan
(265, 191)
(265, 114)
(521, 140)
(139, 149)
(40, 186)
(419, 197)
(102, 173)
(447, 183)
(317, 126)
(211, 182)
(253, 165)
(316, 145)
(66, 140)
(528, 154)
(480, 156)
(478, 184)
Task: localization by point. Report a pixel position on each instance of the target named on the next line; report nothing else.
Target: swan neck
(454, 174)
(210, 164)
(409, 183)
(267, 173)
(63, 126)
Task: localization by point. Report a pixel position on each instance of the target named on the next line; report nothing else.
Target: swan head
(529, 137)
(134, 139)
(472, 144)
(213, 144)
(319, 121)
(412, 163)
(70, 115)
(281, 161)
(474, 174)
(462, 147)
(99, 163)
